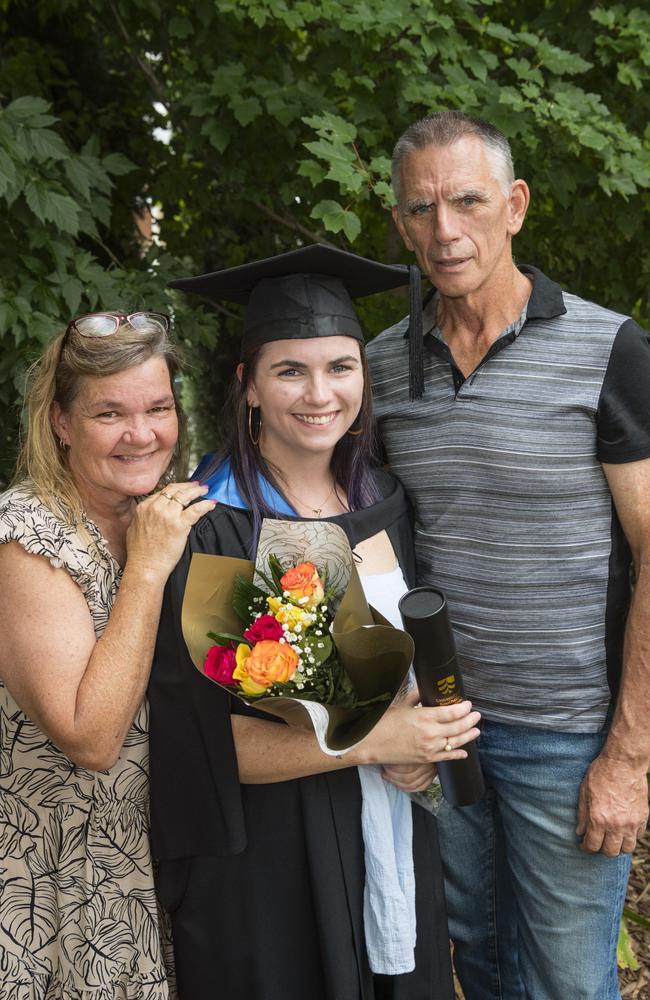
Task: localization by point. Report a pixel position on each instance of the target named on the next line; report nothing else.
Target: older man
(527, 458)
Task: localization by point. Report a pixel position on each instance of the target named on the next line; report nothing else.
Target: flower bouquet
(293, 634)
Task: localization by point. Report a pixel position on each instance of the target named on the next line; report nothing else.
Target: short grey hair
(446, 127)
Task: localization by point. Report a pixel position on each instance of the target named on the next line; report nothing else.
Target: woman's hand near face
(157, 534)
(81, 691)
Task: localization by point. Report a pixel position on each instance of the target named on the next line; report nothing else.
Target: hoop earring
(62, 444)
(254, 441)
(355, 433)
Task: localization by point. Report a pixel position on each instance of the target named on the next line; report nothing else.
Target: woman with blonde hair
(83, 564)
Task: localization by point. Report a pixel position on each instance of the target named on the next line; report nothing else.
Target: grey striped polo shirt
(514, 520)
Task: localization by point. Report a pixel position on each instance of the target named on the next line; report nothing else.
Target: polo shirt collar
(546, 300)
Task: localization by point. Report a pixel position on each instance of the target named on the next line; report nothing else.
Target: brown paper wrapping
(375, 655)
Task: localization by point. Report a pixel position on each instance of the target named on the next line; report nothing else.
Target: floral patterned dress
(78, 911)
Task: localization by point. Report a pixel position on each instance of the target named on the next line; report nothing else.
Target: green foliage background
(279, 120)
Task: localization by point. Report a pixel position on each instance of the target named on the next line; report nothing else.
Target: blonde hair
(57, 376)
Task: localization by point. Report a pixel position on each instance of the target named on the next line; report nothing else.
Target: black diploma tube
(425, 618)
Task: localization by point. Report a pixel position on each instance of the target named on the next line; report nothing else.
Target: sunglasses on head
(103, 324)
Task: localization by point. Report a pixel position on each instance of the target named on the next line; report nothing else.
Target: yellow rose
(287, 614)
(303, 585)
(240, 673)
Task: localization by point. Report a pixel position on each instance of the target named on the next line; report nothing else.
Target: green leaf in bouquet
(277, 572)
(247, 595)
(318, 690)
(343, 688)
(318, 646)
(345, 694)
(274, 588)
(324, 575)
(225, 638)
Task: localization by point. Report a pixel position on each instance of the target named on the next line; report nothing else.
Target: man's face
(454, 215)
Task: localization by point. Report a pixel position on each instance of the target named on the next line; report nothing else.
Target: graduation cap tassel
(416, 341)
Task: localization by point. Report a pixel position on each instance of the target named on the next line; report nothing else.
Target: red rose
(220, 663)
(266, 627)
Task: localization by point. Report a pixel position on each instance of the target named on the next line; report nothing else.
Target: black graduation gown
(264, 883)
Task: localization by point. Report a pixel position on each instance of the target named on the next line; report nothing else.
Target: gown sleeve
(196, 802)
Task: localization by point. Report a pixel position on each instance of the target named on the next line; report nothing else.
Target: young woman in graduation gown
(258, 834)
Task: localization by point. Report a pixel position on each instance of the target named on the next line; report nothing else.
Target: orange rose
(303, 585)
(268, 661)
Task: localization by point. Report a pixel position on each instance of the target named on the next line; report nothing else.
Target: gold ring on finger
(170, 496)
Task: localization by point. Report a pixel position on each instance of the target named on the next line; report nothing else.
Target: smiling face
(120, 432)
(309, 393)
(455, 216)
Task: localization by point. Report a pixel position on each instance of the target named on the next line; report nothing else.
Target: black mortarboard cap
(306, 293)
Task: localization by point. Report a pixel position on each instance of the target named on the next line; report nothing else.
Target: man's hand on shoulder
(613, 806)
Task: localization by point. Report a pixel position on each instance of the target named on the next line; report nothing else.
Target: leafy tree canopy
(248, 127)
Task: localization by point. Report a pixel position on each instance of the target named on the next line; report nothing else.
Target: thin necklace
(317, 511)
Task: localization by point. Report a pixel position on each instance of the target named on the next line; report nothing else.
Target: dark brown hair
(355, 455)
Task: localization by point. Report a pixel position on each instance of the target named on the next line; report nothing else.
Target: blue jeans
(532, 917)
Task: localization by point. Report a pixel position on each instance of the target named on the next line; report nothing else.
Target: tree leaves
(117, 164)
(51, 206)
(72, 290)
(295, 107)
(51, 196)
(336, 218)
(30, 111)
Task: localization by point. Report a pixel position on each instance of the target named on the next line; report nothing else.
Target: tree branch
(158, 88)
(107, 250)
(290, 223)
